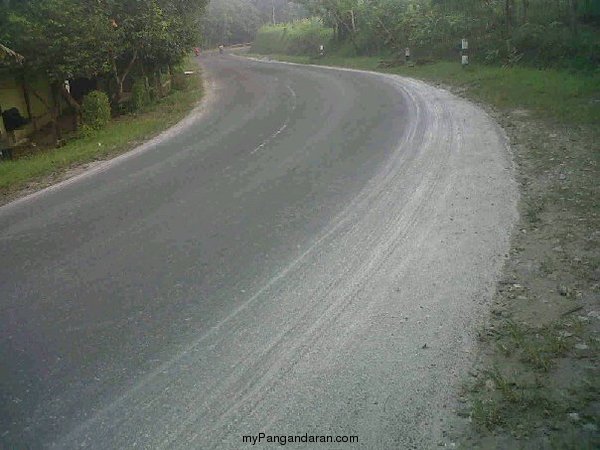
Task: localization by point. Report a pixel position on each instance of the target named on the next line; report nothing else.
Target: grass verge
(120, 135)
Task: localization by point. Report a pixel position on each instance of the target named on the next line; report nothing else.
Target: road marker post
(464, 53)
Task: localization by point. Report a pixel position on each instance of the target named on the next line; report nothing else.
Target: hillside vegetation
(538, 33)
(114, 70)
(302, 37)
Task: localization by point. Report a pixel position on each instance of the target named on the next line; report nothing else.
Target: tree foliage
(230, 21)
(95, 110)
(302, 37)
(540, 32)
(68, 39)
(52, 38)
(237, 21)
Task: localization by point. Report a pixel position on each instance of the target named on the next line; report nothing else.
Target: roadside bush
(180, 81)
(95, 110)
(302, 37)
(140, 94)
(270, 39)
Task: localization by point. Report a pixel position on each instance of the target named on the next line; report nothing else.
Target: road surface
(307, 253)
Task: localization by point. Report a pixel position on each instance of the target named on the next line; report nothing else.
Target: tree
(67, 39)
(230, 21)
(60, 38)
(112, 39)
(237, 21)
(153, 33)
(12, 57)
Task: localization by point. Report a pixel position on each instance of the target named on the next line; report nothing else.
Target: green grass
(559, 94)
(518, 397)
(537, 347)
(120, 135)
(301, 37)
(533, 211)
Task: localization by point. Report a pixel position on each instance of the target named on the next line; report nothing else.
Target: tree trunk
(53, 110)
(69, 98)
(573, 16)
(273, 10)
(509, 24)
(25, 89)
(508, 16)
(121, 79)
(390, 36)
(346, 28)
(157, 83)
(73, 103)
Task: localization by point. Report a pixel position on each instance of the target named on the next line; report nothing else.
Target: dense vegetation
(237, 21)
(302, 37)
(541, 33)
(108, 41)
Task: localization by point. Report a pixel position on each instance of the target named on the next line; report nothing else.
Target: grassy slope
(555, 94)
(120, 135)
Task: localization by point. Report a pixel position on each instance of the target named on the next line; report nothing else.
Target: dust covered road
(307, 255)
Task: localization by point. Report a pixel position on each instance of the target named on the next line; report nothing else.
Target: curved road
(306, 253)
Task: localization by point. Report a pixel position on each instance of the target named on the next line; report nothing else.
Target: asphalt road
(307, 253)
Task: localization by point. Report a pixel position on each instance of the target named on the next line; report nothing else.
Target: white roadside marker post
(464, 52)
(407, 55)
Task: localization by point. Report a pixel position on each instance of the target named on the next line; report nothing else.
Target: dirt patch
(537, 380)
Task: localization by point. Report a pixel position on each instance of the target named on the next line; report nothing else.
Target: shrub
(302, 37)
(180, 81)
(140, 94)
(95, 110)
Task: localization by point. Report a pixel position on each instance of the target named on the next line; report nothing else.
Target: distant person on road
(221, 49)
(197, 51)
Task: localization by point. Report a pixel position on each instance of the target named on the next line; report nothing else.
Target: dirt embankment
(537, 383)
